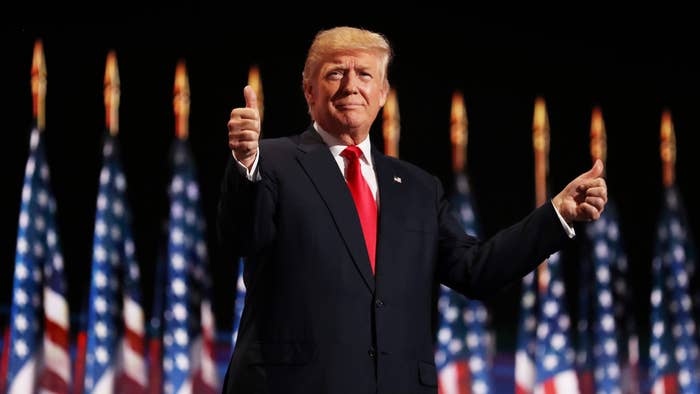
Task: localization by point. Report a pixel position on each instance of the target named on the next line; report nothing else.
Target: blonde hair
(342, 39)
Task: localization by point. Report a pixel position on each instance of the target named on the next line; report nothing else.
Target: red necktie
(364, 200)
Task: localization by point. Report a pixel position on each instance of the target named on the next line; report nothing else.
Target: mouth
(347, 106)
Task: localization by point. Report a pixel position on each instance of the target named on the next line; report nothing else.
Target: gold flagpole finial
(391, 124)
(39, 85)
(181, 101)
(540, 142)
(668, 149)
(459, 134)
(112, 92)
(599, 137)
(255, 82)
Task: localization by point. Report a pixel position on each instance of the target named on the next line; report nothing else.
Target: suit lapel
(319, 164)
(390, 189)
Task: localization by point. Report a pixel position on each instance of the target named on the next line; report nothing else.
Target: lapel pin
(397, 179)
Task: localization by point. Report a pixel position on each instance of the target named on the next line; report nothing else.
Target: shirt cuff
(251, 174)
(569, 230)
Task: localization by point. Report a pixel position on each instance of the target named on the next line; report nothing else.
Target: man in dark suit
(345, 247)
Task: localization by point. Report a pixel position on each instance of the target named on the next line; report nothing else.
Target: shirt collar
(336, 146)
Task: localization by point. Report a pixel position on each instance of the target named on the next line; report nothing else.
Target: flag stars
(550, 362)
(176, 210)
(100, 305)
(177, 236)
(21, 322)
(101, 202)
(104, 176)
(558, 341)
(120, 182)
(117, 208)
(101, 355)
(181, 337)
(101, 330)
(179, 287)
(177, 185)
(182, 362)
(607, 323)
(26, 193)
(22, 245)
(100, 279)
(100, 228)
(21, 348)
(42, 199)
(476, 364)
(179, 312)
(100, 254)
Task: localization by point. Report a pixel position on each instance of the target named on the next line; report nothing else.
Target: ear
(308, 93)
(384, 93)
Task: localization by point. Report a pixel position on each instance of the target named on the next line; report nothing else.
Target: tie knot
(351, 152)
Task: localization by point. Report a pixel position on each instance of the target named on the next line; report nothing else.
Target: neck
(347, 135)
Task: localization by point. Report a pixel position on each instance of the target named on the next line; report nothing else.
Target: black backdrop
(632, 62)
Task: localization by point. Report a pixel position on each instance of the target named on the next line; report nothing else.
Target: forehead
(363, 59)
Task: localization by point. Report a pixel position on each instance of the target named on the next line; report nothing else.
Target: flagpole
(540, 141)
(668, 149)
(39, 85)
(458, 133)
(112, 93)
(181, 101)
(599, 137)
(391, 124)
(255, 82)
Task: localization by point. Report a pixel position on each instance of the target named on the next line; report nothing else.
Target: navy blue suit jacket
(316, 320)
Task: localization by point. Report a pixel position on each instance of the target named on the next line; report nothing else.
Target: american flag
(602, 355)
(673, 349)
(607, 333)
(584, 327)
(462, 357)
(188, 340)
(239, 303)
(525, 370)
(544, 360)
(115, 359)
(39, 356)
(554, 353)
(155, 327)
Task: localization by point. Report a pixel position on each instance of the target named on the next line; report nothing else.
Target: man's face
(346, 93)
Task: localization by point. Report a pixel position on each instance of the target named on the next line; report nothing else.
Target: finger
(244, 124)
(245, 113)
(596, 202)
(588, 184)
(251, 99)
(243, 135)
(588, 212)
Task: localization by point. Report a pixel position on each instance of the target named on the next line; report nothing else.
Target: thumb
(595, 171)
(251, 99)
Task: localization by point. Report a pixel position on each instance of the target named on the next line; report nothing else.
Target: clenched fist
(244, 129)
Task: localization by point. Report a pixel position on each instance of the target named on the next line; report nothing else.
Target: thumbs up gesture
(584, 198)
(244, 129)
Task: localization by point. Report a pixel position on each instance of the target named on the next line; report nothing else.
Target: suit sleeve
(235, 211)
(478, 268)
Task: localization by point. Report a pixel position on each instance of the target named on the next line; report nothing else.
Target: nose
(350, 83)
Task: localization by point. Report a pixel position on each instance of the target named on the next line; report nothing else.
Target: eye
(334, 75)
(365, 76)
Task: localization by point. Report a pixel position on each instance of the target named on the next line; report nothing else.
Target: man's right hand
(244, 129)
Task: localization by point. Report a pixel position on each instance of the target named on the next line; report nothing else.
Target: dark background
(633, 62)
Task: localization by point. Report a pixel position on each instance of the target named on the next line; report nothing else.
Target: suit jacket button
(378, 303)
(372, 354)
